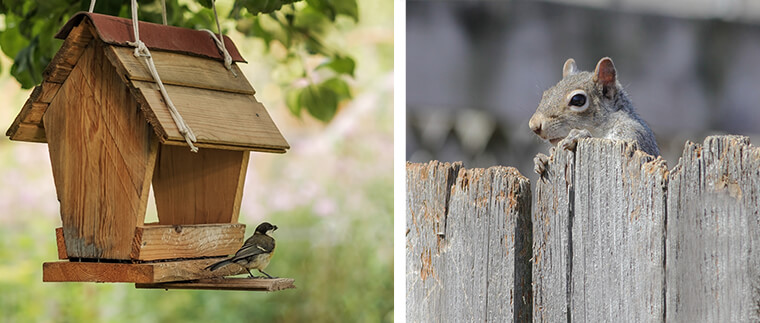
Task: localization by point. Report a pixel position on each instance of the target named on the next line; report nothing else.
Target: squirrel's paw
(572, 138)
(539, 164)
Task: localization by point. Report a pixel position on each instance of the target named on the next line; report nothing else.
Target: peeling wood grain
(469, 244)
(599, 235)
(551, 239)
(713, 238)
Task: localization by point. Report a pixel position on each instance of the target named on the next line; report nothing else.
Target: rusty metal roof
(118, 31)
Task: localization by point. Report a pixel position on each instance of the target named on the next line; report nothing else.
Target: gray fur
(610, 113)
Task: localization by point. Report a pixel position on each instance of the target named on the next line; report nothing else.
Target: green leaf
(341, 65)
(346, 7)
(262, 6)
(24, 69)
(205, 3)
(320, 101)
(322, 7)
(333, 8)
(339, 87)
(292, 99)
(11, 40)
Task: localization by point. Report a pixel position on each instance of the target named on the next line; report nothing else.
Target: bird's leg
(270, 277)
(249, 272)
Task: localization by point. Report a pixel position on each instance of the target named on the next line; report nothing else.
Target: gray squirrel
(585, 104)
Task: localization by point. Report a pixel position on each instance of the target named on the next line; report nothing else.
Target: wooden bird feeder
(110, 136)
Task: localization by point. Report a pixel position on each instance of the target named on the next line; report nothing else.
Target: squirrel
(585, 104)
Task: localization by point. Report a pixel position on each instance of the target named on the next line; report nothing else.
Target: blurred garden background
(331, 196)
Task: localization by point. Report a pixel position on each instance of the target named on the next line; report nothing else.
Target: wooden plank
(29, 132)
(618, 230)
(713, 237)
(102, 153)
(552, 218)
(61, 243)
(243, 284)
(153, 242)
(468, 252)
(182, 70)
(35, 113)
(153, 272)
(68, 55)
(599, 224)
(14, 128)
(49, 90)
(238, 196)
(54, 74)
(223, 147)
(428, 188)
(215, 117)
(197, 188)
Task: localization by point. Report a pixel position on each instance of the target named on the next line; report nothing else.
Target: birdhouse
(110, 136)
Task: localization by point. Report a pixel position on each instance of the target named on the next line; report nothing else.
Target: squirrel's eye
(578, 100)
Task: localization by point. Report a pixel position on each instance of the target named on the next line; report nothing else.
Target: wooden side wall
(103, 154)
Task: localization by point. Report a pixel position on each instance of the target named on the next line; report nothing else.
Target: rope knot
(140, 49)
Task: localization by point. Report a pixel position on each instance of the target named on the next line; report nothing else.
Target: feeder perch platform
(248, 284)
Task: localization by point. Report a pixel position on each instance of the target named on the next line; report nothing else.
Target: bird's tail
(218, 265)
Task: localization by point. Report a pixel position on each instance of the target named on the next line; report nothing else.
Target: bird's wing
(255, 245)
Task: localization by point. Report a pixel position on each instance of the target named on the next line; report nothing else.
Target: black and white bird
(255, 252)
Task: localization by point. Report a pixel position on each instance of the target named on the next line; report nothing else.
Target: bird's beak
(274, 228)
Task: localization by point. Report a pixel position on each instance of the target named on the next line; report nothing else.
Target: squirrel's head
(581, 100)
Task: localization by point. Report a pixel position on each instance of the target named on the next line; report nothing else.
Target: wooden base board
(153, 241)
(248, 284)
(152, 272)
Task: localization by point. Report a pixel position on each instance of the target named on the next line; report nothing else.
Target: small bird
(255, 252)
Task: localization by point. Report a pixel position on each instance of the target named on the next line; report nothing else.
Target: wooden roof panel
(118, 31)
(179, 69)
(216, 117)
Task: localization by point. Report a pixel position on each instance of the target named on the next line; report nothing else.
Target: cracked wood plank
(468, 244)
(599, 245)
(714, 233)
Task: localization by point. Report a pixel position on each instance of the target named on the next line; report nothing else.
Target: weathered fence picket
(470, 244)
(713, 242)
(601, 212)
(615, 237)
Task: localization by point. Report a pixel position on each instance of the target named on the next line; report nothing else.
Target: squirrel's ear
(570, 68)
(605, 72)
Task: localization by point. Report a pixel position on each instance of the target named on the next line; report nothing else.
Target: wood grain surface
(468, 244)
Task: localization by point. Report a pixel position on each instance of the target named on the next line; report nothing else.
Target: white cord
(220, 41)
(163, 10)
(142, 51)
(92, 5)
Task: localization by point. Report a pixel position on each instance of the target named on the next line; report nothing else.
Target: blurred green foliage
(300, 27)
(335, 215)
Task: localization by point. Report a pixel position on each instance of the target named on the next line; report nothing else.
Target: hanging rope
(220, 41)
(141, 51)
(163, 11)
(92, 5)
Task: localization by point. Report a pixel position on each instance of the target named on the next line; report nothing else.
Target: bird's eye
(578, 100)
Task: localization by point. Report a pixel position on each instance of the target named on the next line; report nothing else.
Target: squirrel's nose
(535, 125)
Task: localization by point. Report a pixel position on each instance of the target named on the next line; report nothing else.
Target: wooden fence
(613, 236)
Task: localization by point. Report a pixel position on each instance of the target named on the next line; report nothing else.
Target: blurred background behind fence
(476, 71)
